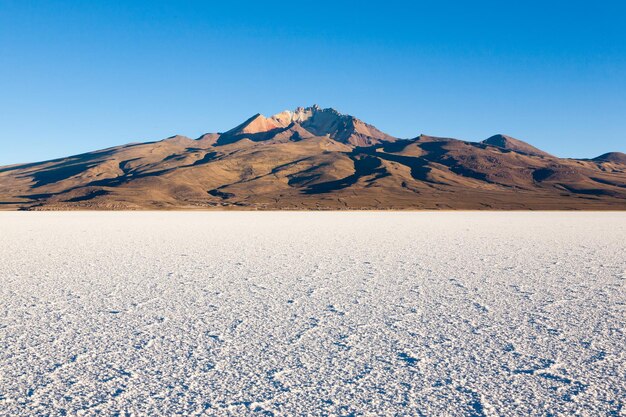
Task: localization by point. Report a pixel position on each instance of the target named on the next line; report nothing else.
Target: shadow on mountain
(221, 194)
(64, 172)
(437, 153)
(208, 157)
(397, 146)
(364, 165)
(417, 165)
(67, 168)
(87, 197)
(605, 182)
(64, 161)
(589, 191)
(53, 175)
(542, 174)
(173, 156)
(226, 139)
(24, 166)
(123, 166)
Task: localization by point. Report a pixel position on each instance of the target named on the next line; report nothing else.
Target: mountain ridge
(314, 158)
(512, 144)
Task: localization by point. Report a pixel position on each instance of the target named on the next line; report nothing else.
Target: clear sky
(78, 75)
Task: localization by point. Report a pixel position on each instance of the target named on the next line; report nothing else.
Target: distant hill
(613, 157)
(512, 144)
(314, 158)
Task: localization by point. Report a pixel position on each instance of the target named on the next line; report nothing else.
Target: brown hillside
(316, 159)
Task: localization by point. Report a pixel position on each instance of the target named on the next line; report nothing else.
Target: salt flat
(318, 313)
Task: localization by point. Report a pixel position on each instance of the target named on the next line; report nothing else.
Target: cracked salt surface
(233, 313)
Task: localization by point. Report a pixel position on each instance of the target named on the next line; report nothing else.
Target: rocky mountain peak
(330, 122)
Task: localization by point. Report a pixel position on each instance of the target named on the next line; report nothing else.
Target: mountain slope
(315, 158)
(613, 157)
(342, 128)
(512, 144)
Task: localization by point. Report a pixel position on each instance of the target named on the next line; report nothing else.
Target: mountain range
(314, 158)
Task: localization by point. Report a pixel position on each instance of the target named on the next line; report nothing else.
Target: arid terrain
(315, 158)
(312, 313)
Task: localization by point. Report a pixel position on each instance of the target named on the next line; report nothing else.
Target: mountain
(307, 122)
(331, 123)
(614, 157)
(314, 158)
(512, 144)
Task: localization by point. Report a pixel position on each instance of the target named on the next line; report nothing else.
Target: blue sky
(77, 75)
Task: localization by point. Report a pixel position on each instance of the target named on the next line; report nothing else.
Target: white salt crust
(318, 313)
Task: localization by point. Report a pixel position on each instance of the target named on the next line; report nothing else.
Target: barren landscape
(291, 313)
(317, 159)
